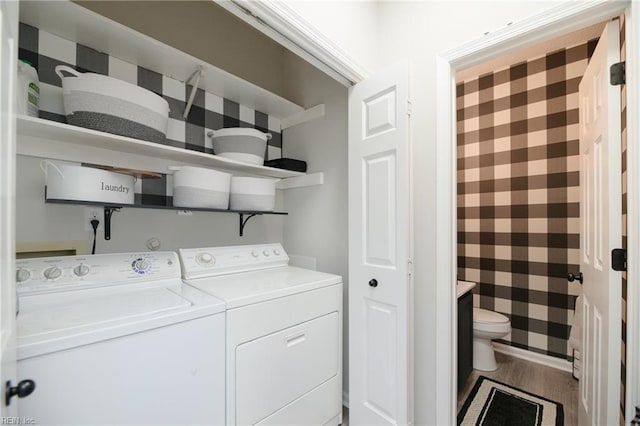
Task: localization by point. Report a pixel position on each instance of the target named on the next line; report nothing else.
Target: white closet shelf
(78, 24)
(50, 139)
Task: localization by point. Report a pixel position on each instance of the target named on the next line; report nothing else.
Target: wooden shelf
(50, 139)
(75, 23)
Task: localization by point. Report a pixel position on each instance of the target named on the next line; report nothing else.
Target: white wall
(130, 228)
(351, 25)
(419, 31)
(317, 221)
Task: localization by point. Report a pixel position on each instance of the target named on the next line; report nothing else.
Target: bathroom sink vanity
(465, 330)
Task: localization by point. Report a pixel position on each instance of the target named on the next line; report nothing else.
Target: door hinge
(409, 110)
(409, 267)
(619, 259)
(617, 74)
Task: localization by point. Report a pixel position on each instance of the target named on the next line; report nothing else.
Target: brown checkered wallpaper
(518, 194)
(623, 128)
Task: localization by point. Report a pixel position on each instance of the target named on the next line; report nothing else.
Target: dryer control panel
(212, 261)
(49, 274)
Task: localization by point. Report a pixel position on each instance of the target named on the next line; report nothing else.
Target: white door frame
(557, 21)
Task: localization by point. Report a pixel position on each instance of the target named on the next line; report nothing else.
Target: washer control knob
(266, 253)
(22, 275)
(276, 252)
(81, 270)
(255, 253)
(205, 259)
(52, 273)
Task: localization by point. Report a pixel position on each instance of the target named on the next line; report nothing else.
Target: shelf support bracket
(108, 211)
(194, 89)
(243, 221)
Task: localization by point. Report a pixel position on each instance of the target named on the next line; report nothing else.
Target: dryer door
(277, 369)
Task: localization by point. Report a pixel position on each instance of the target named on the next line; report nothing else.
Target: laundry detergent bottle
(28, 89)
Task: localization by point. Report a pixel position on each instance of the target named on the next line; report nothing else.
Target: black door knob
(577, 277)
(373, 282)
(24, 388)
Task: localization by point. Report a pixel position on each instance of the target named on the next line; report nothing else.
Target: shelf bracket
(108, 211)
(244, 220)
(194, 89)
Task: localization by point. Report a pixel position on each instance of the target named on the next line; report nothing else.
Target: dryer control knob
(81, 270)
(255, 253)
(205, 259)
(22, 275)
(276, 252)
(52, 273)
(266, 253)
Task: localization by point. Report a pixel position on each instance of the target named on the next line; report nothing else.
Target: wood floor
(541, 380)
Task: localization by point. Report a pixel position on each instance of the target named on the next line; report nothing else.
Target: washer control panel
(212, 261)
(49, 274)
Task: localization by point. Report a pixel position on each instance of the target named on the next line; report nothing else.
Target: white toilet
(487, 326)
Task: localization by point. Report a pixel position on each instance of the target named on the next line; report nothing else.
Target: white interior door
(600, 183)
(379, 250)
(9, 54)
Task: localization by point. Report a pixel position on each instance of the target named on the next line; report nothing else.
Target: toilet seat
(490, 321)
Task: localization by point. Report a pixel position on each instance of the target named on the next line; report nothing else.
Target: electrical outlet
(91, 213)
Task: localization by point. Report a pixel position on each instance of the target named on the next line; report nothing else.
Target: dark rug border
(476, 387)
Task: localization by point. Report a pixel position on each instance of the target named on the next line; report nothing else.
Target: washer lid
(48, 323)
(246, 288)
(486, 316)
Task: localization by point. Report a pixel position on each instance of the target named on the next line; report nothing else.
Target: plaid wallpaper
(209, 112)
(518, 194)
(623, 128)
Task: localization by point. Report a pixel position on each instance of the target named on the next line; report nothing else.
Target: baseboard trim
(549, 361)
(345, 398)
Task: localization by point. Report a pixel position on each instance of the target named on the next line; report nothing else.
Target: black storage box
(288, 164)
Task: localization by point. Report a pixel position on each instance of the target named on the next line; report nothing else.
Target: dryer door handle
(296, 339)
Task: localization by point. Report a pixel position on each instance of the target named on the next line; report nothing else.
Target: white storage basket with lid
(252, 194)
(240, 144)
(72, 181)
(197, 187)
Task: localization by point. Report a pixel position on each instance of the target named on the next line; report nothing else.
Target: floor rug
(492, 403)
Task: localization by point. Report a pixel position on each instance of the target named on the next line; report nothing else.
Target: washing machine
(118, 339)
(284, 334)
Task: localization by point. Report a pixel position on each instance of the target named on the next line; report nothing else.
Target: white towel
(575, 336)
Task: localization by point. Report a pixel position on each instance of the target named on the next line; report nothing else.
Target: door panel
(380, 388)
(379, 312)
(380, 111)
(380, 223)
(600, 185)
